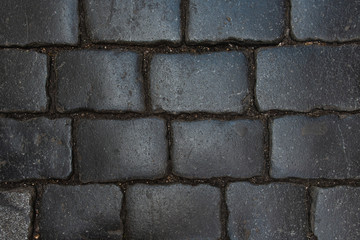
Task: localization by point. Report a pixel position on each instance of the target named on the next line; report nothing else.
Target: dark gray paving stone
(115, 150)
(218, 20)
(99, 80)
(24, 22)
(81, 212)
(323, 147)
(23, 77)
(214, 82)
(336, 213)
(274, 211)
(133, 21)
(173, 212)
(210, 148)
(325, 20)
(35, 149)
(16, 214)
(306, 77)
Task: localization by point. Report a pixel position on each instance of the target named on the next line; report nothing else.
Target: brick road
(179, 119)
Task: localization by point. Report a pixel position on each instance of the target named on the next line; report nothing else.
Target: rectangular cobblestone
(35, 149)
(133, 21)
(173, 212)
(210, 148)
(213, 82)
(244, 20)
(99, 80)
(23, 77)
(111, 150)
(323, 147)
(274, 211)
(29, 22)
(302, 78)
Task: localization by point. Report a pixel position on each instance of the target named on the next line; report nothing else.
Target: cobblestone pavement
(179, 119)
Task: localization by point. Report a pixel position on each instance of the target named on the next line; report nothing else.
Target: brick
(274, 211)
(214, 82)
(210, 148)
(23, 81)
(323, 147)
(16, 213)
(111, 150)
(302, 78)
(38, 22)
(335, 212)
(133, 21)
(35, 149)
(325, 20)
(81, 212)
(173, 212)
(99, 80)
(243, 20)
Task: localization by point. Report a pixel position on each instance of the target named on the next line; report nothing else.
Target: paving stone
(133, 21)
(307, 77)
(25, 22)
(211, 148)
(15, 214)
(99, 80)
(115, 150)
(23, 77)
(325, 20)
(173, 212)
(336, 213)
(214, 82)
(81, 212)
(274, 211)
(323, 147)
(35, 149)
(218, 20)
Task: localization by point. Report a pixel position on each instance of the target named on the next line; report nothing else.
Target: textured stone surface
(34, 149)
(323, 147)
(100, 80)
(24, 22)
(325, 20)
(173, 212)
(23, 77)
(15, 214)
(205, 149)
(306, 77)
(274, 211)
(336, 213)
(214, 82)
(133, 21)
(216, 20)
(114, 149)
(81, 212)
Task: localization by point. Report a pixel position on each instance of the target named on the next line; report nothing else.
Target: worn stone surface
(15, 213)
(173, 212)
(336, 212)
(274, 211)
(114, 149)
(23, 77)
(81, 212)
(302, 78)
(35, 149)
(244, 20)
(133, 21)
(325, 20)
(210, 148)
(99, 80)
(213, 82)
(323, 147)
(25, 22)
